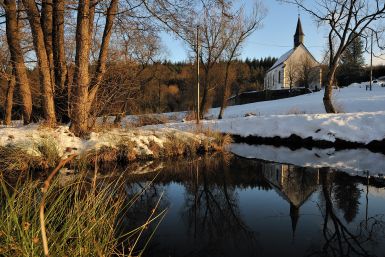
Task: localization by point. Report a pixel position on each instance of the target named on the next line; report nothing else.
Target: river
(228, 205)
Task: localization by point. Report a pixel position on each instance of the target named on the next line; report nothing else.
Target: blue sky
(273, 39)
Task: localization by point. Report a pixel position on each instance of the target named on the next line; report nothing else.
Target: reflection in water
(244, 207)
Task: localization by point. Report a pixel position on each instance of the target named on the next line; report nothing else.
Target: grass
(150, 119)
(14, 159)
(80, 220)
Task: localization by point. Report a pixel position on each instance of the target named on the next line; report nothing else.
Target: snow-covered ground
(350, 99)
(355, 162)
(362, 119)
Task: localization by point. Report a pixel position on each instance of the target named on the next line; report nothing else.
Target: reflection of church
(294, 184)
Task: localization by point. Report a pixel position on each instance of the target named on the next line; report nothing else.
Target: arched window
(279, 77)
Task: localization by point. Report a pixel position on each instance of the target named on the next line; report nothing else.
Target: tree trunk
(47, 25)
(60, 65)
(80, 100)
(327, 100)
(225, 92)
(17, 58)
(9, 100)
(205, 94)
(43, 61)
(58, 44)
(101, 67)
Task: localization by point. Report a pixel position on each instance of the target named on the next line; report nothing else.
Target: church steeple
(299, 35)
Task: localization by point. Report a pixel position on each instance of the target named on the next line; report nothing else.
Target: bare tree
(347, 20)
(84, 91)
(44, 66)
(17, 58)
(292, 72)
(239, 29)
(308, 72)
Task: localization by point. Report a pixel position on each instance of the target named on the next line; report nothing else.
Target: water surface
(222, 206)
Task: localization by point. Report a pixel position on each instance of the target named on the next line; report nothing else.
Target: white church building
(295, 69)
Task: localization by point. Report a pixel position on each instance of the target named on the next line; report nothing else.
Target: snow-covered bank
(27, 136)
(352, 127)
(362, 117)
(38, 147)
(355, 162)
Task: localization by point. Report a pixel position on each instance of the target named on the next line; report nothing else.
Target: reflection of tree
(211, 209)
(142, 199)
(340, 240)
(347, 195)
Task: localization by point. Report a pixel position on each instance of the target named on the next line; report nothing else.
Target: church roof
(282, 59)
(287, 55)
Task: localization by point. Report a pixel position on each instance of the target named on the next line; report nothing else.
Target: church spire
(294, 215)
(299, 35)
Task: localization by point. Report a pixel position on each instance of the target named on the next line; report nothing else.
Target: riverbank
(38, 147)
(344, 130)
(302, 122)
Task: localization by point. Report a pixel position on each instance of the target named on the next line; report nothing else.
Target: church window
(279, 77)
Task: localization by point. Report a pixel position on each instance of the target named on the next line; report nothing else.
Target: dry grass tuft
(190, 116)
(104, 154)
(127, 150)
(215, 141)
(49, 151)
(145, 120)
(156, 149)
(16, 159)
(174, 146)
(105, 127)
(295, 111)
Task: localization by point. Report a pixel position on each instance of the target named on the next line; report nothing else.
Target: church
(295, 69)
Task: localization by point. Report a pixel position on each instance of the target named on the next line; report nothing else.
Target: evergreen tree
(352, 64)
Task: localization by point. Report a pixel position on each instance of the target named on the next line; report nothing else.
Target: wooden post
(198, 111)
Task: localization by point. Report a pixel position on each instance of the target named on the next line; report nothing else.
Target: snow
(348, 100)
(304, 116)
(28, 137)
(355, 162)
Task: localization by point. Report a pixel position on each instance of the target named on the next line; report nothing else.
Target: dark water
(221, 206)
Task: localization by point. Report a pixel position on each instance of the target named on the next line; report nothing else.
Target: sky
(273, 39)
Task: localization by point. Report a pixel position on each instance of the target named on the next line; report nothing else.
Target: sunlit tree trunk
(17, 58)
(47, 25)
(85, 90)
(327, 100)
(101, 66)
(9, 100)
(79, 114)
(43, 61)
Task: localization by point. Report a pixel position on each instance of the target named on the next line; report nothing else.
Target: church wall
(274, 79)
(293, 67)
